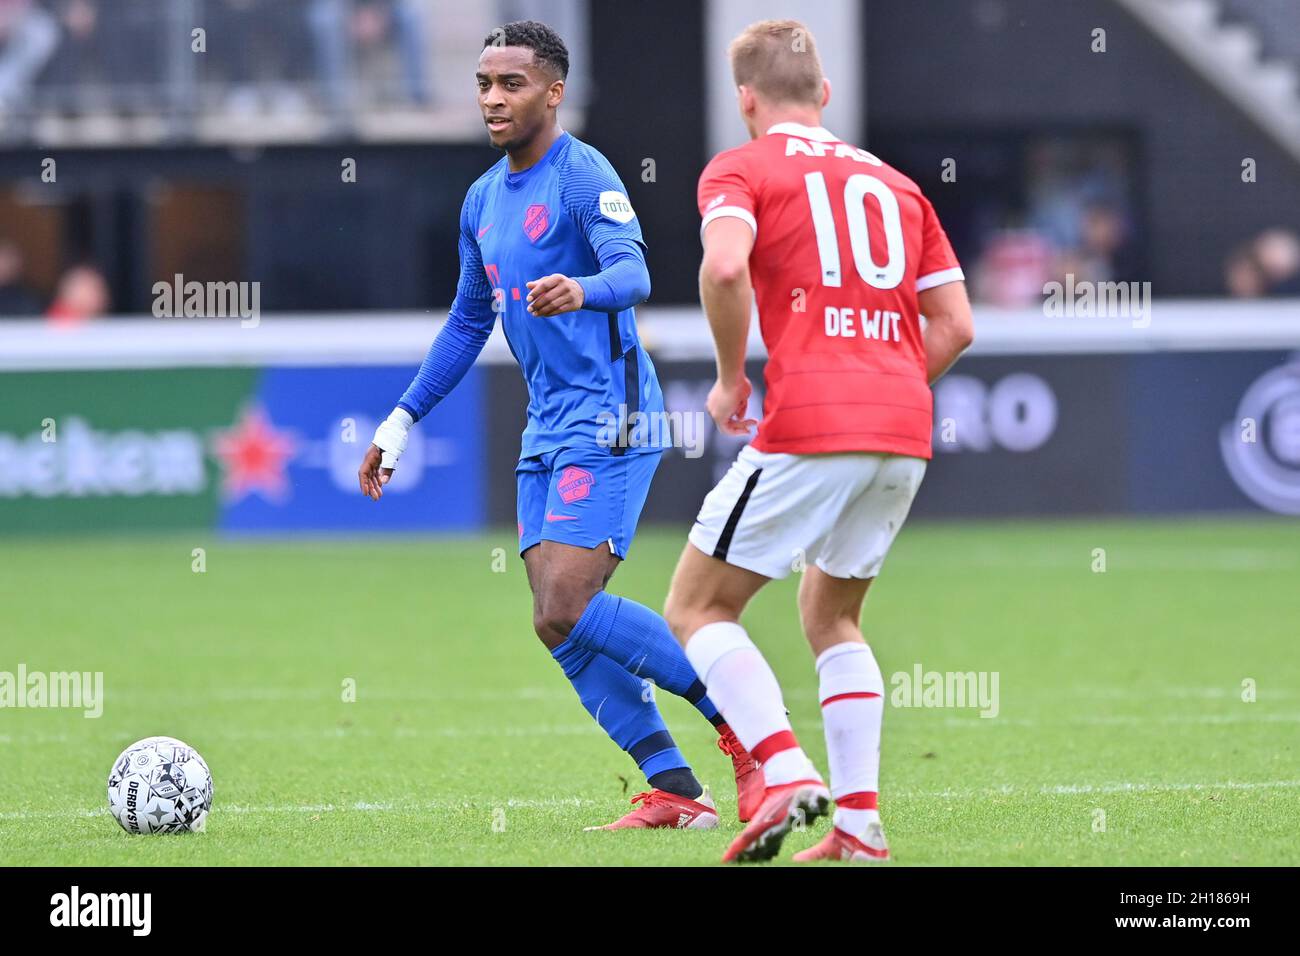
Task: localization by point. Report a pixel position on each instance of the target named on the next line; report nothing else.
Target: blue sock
(639, 639)
(630, 716)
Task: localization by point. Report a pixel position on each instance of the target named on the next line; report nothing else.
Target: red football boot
(782, 809)
(661, 809)
(847, 848)
(749, 774)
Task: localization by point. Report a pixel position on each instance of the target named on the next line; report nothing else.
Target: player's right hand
(727, 404)
(381, 458)
(373, 478)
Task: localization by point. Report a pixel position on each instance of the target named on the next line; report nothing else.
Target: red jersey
(842, 245)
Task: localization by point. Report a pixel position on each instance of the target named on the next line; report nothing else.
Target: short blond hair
(778, 60)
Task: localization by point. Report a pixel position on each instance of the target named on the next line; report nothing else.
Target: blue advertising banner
(1214, 432)
(276, 449)
(1091, 434)
(290, 459)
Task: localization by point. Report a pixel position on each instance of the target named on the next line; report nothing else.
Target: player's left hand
(553, 294)
(727, 404)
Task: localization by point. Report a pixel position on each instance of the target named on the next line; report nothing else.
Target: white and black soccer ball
(160, 785)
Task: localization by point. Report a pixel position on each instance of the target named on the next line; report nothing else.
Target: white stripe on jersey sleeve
(939, 278)
(735, 212)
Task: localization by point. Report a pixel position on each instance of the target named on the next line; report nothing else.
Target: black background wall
(388, 241)
(936, 77)
(938, 66)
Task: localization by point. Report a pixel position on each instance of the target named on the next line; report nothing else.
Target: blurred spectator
(1102, 234)
(262, 49)
(1073, 220)
(1013, 268)
(1076, 201)
(1242, 274)
(1268, 265)
(28, 36)
(126, 67)
(110, 57)
(1278, 251)
(342, 28)
(82, 295)
(16, 299)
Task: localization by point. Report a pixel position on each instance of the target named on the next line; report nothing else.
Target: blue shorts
(582, 496)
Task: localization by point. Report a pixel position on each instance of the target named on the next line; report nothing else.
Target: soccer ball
(160, 785)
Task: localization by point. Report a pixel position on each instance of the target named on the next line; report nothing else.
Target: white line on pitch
(972, 721)
(1086, 788)
(1006, 790)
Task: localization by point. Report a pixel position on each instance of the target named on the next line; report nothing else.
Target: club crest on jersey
(574, 484)
(614, 205)
(536, 218)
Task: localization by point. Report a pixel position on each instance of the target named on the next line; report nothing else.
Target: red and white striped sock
(743, 687)
(852, 696)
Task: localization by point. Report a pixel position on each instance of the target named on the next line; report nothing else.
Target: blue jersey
(586, 370)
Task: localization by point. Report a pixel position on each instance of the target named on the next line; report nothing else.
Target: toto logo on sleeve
(1261, 447)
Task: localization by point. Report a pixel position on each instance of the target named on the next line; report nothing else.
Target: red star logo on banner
(253, 457)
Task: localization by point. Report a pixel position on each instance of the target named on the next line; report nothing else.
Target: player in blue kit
(550, 242)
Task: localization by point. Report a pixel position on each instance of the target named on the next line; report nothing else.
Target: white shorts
(773, 513)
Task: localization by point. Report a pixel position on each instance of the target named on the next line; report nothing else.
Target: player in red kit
(843, 255)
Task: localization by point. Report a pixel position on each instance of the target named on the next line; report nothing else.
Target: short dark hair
(548, 49)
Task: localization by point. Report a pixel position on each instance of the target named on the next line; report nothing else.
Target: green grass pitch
(1121, 737)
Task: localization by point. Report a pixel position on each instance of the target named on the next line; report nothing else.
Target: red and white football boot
(663, 810)
(838, 845)
(749, 774)
(783, 808)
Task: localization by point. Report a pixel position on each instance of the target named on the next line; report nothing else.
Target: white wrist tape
(391, 436)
